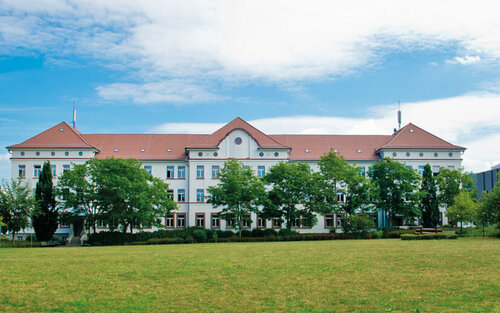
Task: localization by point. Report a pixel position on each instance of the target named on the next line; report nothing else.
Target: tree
(78, 190)
(127, 196)
(293, 194)
(357, 225)
(239, 193)
(450, 182)
(463, 209)
(16, 206)
(46, 216)
(429, 200)
(395, 189)
(339, 176)
(489, 207)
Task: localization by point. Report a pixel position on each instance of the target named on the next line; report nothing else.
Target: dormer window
(307, 151)
(335, 150)
(143, 150)
(169, 150)
(61, 129)
(116, 150)
(359, 150)
(411, 130)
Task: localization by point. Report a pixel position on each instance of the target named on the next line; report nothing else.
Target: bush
(396, 233)
(224, 234)
(246, 233)
(200, 235)
(285, 232)
(428, 236)
(357, 225)
(378, 234)
(18, 244)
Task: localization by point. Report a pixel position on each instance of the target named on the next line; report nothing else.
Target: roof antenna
(74, 115)
(399, 116)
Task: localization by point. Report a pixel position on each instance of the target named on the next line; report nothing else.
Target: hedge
(428, 236)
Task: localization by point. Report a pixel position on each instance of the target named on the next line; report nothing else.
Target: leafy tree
(46, 216)
(463, 209)
(239, 193)
(79, 193)
(127, 195)
(16, 206)
(429, 200)
(293, 194)
(339, 176)
(395, 189)
(489, 207)
(450, 182)
(357, 225)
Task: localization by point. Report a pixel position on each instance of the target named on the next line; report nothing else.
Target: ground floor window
(246, 222)
(215, 221)
(276, 222)
(230, 223)
(181, 220)
(339, 221)
(329, 218)
(169, 221)
(200, 220)
(261, 222)
(296, 222)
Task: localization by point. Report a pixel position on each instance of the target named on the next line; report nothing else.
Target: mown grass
(388, 275)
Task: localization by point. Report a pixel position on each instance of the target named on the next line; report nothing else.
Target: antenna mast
(399, 116)
(74, 115)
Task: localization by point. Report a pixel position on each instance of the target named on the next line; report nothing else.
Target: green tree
(463, 209)
(429, 200)
(46, 215)
(357, 225)
(239, 193)
(16, 206)
(489, 207)
(340, 176)
(293, 194)
(78, 190)
(127, 195)
(450, 182)
(395, 189)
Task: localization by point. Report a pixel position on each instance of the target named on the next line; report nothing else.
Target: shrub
(224, 234)
(428, 236)
(199, 235)
(246, 233)
(285, 232)
(378, 234)
(357, 225)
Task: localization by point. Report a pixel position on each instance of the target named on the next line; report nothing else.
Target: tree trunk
(483, 229)
(13, 237)
(461, 225)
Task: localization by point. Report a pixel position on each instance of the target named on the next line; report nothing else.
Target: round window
(261, 154)
(22, 153)
(216, 154)
(200, 154)
(407, 154)
(421, 154)
(450, 154)
(80, 153)
(37, 153)
(436, 154)
(238, 141)
(52, 153)
(66, 153)
(276, 154)
(394, 154)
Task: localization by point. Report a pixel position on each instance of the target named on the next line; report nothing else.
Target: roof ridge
(78, 134)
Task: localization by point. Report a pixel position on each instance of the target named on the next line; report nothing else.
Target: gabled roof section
(414, 137)
(213, 140)
(60, 136)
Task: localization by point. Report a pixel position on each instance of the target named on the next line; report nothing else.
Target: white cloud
(272, 40)
(173, 91)
(466, 60)
(459, 120)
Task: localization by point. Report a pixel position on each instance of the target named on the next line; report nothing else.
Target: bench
(422, 231)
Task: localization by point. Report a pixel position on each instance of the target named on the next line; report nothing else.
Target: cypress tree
(430, 203)
(45, 219)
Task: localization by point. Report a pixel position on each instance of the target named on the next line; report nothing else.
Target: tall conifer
(45, 219)
(430, 203)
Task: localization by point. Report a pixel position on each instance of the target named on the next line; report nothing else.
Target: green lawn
(318, 276)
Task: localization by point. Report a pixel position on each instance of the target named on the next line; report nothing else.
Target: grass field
(388, 275)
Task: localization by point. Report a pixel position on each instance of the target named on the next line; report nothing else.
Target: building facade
(190, 163)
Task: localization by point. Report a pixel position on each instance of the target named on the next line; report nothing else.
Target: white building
(190, 163)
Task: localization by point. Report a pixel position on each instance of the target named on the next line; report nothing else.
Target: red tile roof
(213, 140)
(414, 137)
(60, 136)
(173, 146)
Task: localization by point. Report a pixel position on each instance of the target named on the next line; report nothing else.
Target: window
(436, 154)
(296, 223)
(408, 154)
(362, 171)
(170, 172)
(101, 224)
(181, 172)
(230, 223)
(215, 223)
(66, 167)
(408, 167)
(169, 221)
(340, 196)
(148, 168)
(181, 220)
(200, 195)
(339, 221)
(435, 170)
(276, 222)
(200, 220)
(238, 141)
(215, 171)
(181, 195)
(22, 171)
(170, 193)
(36, 170)
(200, 171)
(329, 221)
(421, 169)
(421, 154)
(261, 222)
(261, 171)
(53, 167)
(200, 154)
(246, 221)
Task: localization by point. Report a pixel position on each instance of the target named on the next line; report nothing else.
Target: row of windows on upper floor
(435, 169)
(37, 168)
(200, 171)
(54, 153)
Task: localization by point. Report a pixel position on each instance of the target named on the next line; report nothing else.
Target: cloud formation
(466, 60)
(457, 120)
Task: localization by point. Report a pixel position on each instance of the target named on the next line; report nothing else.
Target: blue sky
(286, 67)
